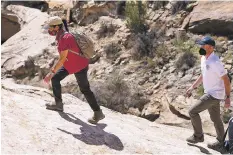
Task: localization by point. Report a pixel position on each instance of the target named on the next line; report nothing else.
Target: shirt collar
(59, 34)
(211, 55)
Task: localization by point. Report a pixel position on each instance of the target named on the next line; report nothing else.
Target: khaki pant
(213, 106)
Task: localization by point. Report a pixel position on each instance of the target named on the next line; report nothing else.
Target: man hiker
(69, 63)
(216, 88)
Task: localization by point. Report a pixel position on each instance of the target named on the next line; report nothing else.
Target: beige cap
(55, 20)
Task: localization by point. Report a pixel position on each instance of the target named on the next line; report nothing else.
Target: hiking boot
(195, 139)
(98, 115)
(215, 145)
(57, 106)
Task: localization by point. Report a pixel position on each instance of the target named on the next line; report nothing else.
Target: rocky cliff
(145, 75)
(27, 127)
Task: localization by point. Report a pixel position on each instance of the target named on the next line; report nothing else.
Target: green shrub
(106, 30)
(159, 4)
(112, 50)
(186, 61)
(178, 6)
(146, 45)
(142, 47)
(135, 16)
(115, 93)
(200, 91)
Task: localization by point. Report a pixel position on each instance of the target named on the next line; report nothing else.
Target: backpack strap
(79, 54)
(225, 134)
(63, 34)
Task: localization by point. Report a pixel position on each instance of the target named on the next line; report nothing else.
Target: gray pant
(213, 106)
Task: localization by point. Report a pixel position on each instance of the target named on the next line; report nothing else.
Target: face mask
(52, 33)
(202, 51)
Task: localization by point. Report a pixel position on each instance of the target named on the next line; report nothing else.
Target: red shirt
(74, 63)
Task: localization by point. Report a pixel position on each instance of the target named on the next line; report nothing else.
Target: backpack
(85, 44)
(228, 144)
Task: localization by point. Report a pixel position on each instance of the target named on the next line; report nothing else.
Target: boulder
(211, 17)
(27, 127)
(29, 47)
(10, 25)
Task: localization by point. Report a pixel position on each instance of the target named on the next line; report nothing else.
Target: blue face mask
(202, 51)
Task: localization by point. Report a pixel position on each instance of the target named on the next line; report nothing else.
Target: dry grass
(106, 30)
(200, 91)
(228, 56)
(112, 51)
(186, 61)
(220, 39)
(115, 93)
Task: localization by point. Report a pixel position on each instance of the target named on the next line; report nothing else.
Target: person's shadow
(92, 135)
(202, 149)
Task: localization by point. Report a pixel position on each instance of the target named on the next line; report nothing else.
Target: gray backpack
(85, 44)
(228, 144)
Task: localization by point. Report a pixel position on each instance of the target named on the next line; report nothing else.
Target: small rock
(230, 61)
(72, 25)
(152, 79)
(170, 33)
(142, 81)
(109, 70)
(134, 111)
(8, 75)
(164, 68)
(124, 62)
(159, 76)
(230, 42)
(169, 85)
(128, 72)
(180, 74)
(149, 92)
(220, 48)
(156, 86)
(230, 47)
(118, 61)
(172, 69)
(228, 67)
(156, 91)
(186, 78)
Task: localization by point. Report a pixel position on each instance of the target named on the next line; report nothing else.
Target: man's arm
(61, 61)
(197, 82)
(227, 84)
(194, 85)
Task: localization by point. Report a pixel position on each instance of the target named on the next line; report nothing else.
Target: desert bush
(178, 6)
(135, 16)
(200, 91)
(106, 30)
(186, 61)
(161, 51)
(184, 46)
(228, 56)
(158, 4)
(112, 50)
(117, 94)
(188, 51)
(147, 45)
(142, 47)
